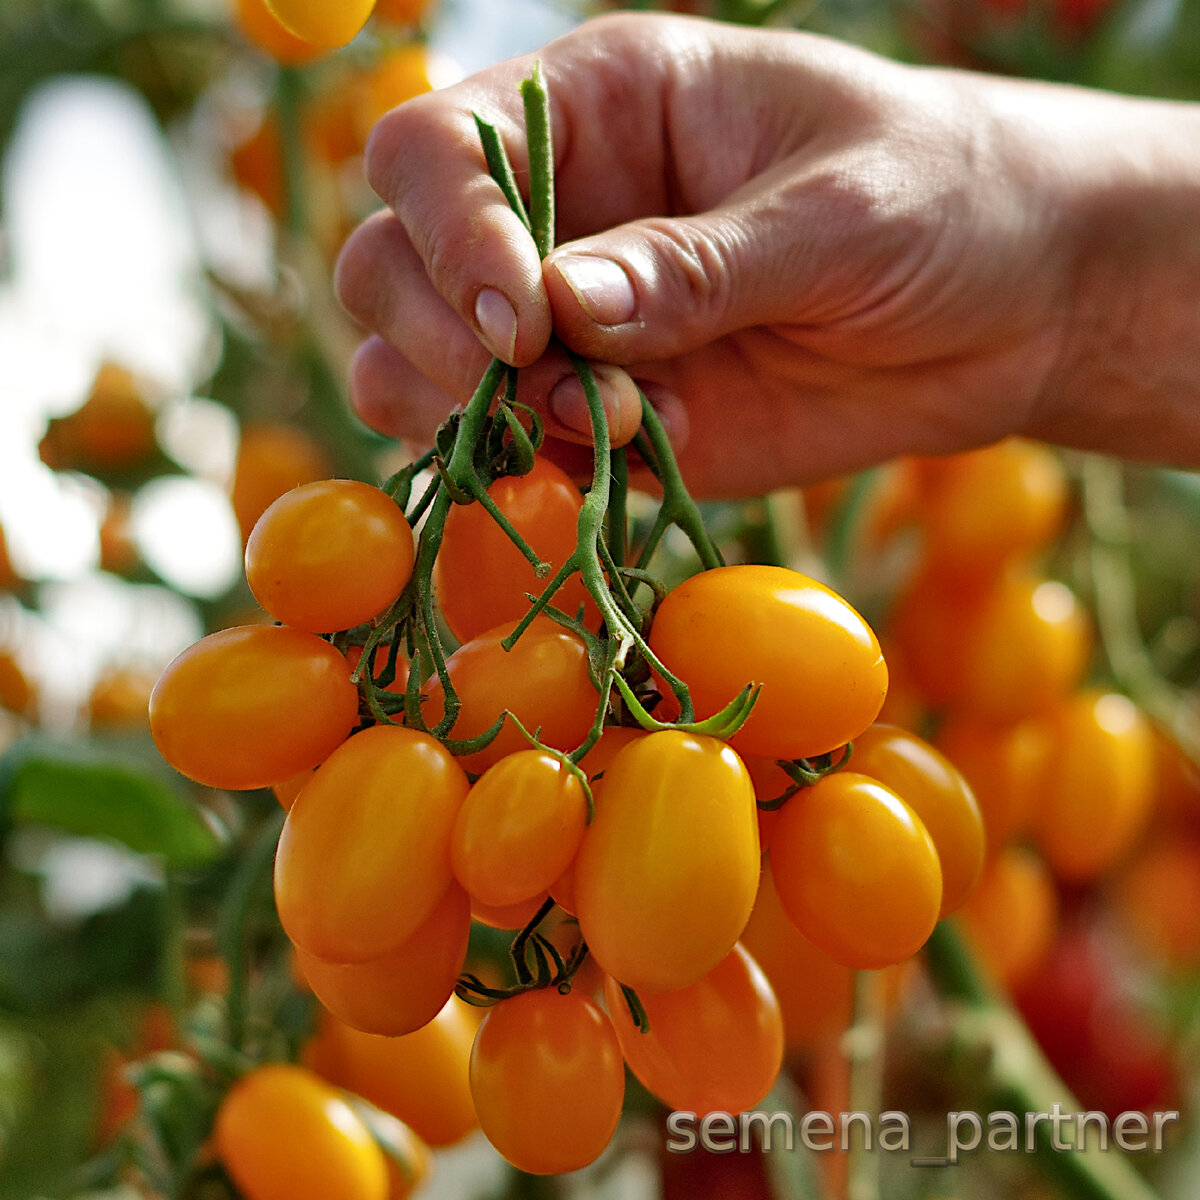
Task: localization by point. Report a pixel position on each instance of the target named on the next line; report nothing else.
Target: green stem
(681, 509)
(536, 100)
(500, 168)
(1019, 1079)
(253, 867)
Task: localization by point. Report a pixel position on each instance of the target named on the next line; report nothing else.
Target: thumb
(663, 286)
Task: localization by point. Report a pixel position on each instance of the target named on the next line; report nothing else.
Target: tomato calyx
(804, 772)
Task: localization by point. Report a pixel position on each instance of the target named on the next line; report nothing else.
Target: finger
(393, 397)
(381, 281)
(426, 161)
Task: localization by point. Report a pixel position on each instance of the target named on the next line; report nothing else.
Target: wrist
(1127, 379)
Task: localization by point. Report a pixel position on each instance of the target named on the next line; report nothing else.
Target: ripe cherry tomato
(518, 829)
(329, 555)
(407, 1157)
(364, 855)
(544, 680)
(1156, 896)
(857, 871)
(284, 1134)
(262, 29)
(935, 790)
(320, 23)
(406, 988)
(1011, 918)
(1097, 784)
(989, 507)
(822, 674)
(249, 706)
(715, 1046)
(421, 1078)
(815, 993)
(547, 1080)
(667, 873)
(271, 460)
(482, 578)
(1001, 761)
(1006, 650)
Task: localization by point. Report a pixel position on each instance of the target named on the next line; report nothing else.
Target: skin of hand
(811, 259)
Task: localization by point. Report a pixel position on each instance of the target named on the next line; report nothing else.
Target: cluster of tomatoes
(644, 844)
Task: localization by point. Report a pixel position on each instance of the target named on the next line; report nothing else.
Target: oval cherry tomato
(822, 674)
(320, 23)
(250, 706)
(482, 578)
(1001, 760)
(406, 988)
(1097, 784)
(406, 1156)
(815, 993)
(329, 555)
(543, 679)
(262, 29)
(857, 871)
(1011, 918)
(284, 1134)
(715, 1046)
(988, 507)
(1010, 649)
(547, 1080)
(421, 1078)
(364, 855)
(666, 876)
(935, 790)
(518, 829)
(272, 459)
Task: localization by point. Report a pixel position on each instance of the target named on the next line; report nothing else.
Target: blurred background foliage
(175, 188)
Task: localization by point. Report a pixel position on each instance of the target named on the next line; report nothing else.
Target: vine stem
(1115, 598)
(1018, 1078)
(863, 1043)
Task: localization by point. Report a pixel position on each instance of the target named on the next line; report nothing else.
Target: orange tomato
(364, 855)
(715, 1046)
(320, 23)
(543, 679)
(1012, 916)
(405, 988)
(250, 706)
(857, 871)
(667, 873)
(547, 1080)
(1096, 787)
(822, 673)
(120, 699)
(935, 790)
(284, 1134)
(420, 1078)
(518, 829)
(989, 507)
(1001, 761)
(815, 993)
(272, 459)
(329, 555)
(262, 29)
(481, 577)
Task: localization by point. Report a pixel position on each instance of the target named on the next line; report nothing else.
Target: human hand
(812, 259)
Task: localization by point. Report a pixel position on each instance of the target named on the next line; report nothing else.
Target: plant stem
(1019, 1079)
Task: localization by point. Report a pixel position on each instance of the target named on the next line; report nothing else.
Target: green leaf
(94, 794)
